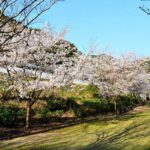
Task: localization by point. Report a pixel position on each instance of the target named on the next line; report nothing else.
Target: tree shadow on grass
(115, 141)
(137, 129)
(119, 140)
(130, 116)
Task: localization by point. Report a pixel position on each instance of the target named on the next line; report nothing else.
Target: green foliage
(101, 106)
(58, 112)
(9, 115)
(89, 91)
(92, 88)
(93, 107)
(98, 105)
(148, 104)
(57, 104)
(43, 113)
(21, 113)
(128, 101)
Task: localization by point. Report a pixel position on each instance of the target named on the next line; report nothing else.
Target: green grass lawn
(125, 133)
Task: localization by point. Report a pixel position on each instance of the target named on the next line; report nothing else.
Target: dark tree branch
(145, 9)
(18, 15)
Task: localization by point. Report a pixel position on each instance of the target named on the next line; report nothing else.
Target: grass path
(126, 133)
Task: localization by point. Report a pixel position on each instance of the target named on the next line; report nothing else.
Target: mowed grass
(129, 132)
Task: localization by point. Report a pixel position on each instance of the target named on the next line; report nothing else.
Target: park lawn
(128, 132)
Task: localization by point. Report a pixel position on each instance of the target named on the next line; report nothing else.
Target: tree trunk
(115, 106)
(28, 114)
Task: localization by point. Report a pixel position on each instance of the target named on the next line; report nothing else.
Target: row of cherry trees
(116, 76)
(31, 66)
(29, 59)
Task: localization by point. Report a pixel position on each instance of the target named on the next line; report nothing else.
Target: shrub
(92, 107)
(10, 115)
(61, 104)
(43, 113)
(57, 104)
(58, 113)
(21, 113)
(80, 112)
(98, 105)
(126, 102)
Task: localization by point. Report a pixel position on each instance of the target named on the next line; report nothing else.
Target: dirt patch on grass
(140, 109)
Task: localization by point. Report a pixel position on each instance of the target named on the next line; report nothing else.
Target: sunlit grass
(129, 132)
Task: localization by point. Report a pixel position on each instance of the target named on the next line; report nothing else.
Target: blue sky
(115, 25)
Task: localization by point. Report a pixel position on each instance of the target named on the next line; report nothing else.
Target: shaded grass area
(128, 132)
(51, 124)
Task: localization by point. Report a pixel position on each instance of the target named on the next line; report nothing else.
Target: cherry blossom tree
(35, 64)
(119, 76)
(116, 76)
(141, 85)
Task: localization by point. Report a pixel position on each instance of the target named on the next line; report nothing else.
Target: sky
(116, 26)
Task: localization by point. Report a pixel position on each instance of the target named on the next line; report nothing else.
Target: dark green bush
(61, 104)
(43, 113)
(93, 107)
(148, 104)
(127, 102)
(57, 104)
(21, 113)
(9, 115)
(80, 112)
(98, 105)
(58, 113)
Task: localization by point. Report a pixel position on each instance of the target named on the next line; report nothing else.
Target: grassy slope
(129, 132)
